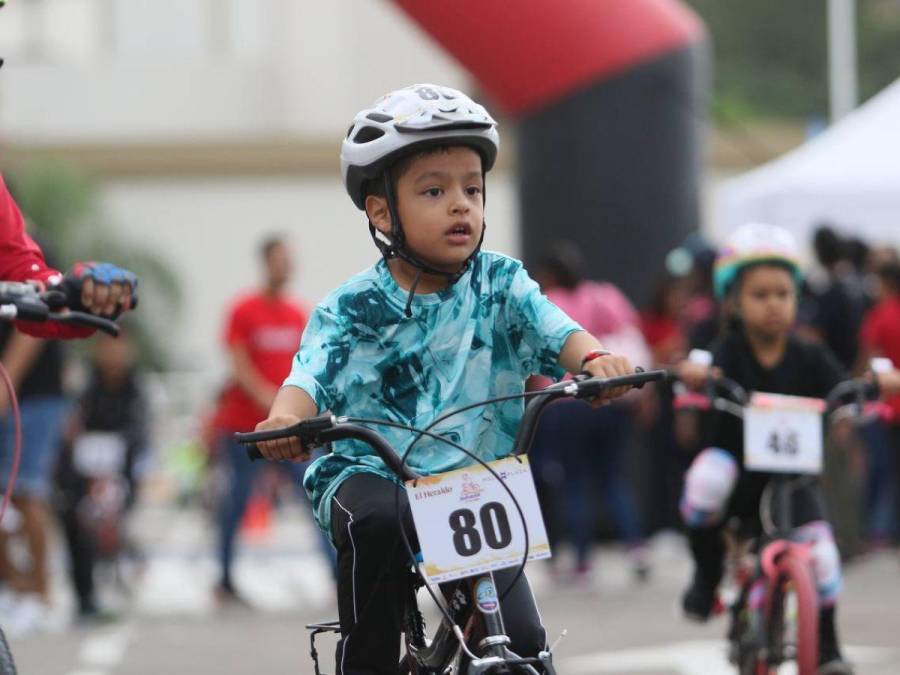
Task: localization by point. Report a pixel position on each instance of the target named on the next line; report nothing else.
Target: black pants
(373, 574)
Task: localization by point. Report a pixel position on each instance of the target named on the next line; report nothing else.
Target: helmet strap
(395, 246)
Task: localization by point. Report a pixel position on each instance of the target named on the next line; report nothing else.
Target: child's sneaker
(699, 599)
(29, 615)
(226, 597)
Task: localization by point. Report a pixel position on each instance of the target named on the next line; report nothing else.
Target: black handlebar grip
(872, 389)
(251, 438)
(593, 386)
(31, 311)
(306, 430)
(639, 385)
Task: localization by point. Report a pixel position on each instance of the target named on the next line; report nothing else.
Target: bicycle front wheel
(793, 616)
(7, 667)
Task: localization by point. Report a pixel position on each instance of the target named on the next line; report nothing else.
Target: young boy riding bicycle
(435, 325)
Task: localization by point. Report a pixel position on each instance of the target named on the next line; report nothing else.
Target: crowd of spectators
(632, 478)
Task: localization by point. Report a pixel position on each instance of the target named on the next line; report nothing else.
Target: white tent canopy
(848, 176)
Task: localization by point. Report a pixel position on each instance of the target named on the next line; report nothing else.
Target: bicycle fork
(495, 644)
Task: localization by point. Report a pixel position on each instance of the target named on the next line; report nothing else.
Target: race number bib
(783, 434)
(99, 453)
(467, 523)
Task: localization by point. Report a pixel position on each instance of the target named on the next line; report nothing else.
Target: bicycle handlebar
(24, 301)
(859, 390)
(322, 429)
(317, 431)
(579, 387)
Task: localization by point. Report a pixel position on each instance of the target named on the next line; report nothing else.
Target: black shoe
(226, 597)
(699, 599)
(838, 667)
(830, 660)
(92, 615)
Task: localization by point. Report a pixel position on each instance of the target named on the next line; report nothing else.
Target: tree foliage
(61, 202)
(771, 56)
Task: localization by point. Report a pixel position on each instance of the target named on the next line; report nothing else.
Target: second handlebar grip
(251, 438)
(306, 430)
(593, 386)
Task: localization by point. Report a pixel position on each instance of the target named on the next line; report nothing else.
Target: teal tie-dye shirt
(481, 338)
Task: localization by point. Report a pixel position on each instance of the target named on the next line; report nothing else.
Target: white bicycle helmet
(752, 244)
(410, 119)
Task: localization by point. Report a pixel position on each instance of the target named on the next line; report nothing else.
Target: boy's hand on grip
(281, 449)
(609, 365)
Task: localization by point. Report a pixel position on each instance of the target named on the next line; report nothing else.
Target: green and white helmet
(410, 119)
(754, 244)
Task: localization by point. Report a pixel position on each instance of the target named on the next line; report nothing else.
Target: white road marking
(102, 652)
(688, 658)
(179, 579)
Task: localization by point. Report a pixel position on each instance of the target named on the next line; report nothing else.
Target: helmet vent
(367, 135)
(379, 117)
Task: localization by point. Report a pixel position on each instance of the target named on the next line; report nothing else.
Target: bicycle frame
(468, 609)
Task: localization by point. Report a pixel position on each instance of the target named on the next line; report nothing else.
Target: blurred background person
(35, 368)
(833, 310)
(662, 323)
(662, 319)
(579, 450)
(880, 337)
(697, 315)
(97, 475)
(262, 331)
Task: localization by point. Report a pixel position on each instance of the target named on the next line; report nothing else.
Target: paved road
(171, 625)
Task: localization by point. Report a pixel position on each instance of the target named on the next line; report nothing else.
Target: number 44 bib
(467, 523)
(783, 434)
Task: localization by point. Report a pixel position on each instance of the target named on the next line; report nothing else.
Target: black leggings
(373, 577)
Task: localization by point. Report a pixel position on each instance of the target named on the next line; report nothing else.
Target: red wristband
(594, 354)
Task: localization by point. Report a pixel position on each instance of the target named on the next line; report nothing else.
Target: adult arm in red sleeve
(21, 260)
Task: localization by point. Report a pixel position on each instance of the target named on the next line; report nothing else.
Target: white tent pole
(842, 57)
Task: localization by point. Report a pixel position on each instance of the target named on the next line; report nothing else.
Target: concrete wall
(103, 70)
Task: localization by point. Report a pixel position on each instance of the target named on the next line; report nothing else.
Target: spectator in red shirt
(262, 333)
(661, 321)
(880, 336)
